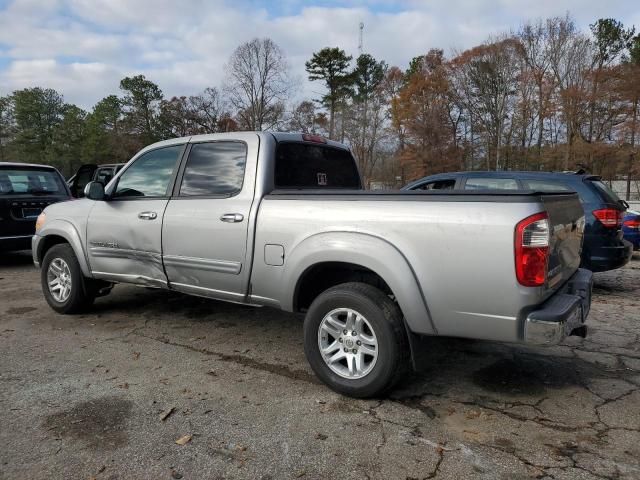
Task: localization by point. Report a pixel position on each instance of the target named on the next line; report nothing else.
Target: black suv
(603, 248)
(25, 190)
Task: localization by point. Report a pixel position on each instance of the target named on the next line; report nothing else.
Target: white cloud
(83, 48)
(83, 83)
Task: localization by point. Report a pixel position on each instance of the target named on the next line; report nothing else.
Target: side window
(150, 174)
(545, 186)
(479, 183)
(447, 184)
(215, 168)
(104, 175)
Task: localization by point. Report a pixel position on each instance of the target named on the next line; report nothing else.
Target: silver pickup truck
(282, 220)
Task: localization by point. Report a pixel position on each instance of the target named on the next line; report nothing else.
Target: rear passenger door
(205, 242)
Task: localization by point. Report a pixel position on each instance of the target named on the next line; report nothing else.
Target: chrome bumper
(563, 314)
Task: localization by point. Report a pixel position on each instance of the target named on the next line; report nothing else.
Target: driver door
(124, 232)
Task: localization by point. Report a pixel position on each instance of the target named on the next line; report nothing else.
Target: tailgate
(18, 214)
(566, 222)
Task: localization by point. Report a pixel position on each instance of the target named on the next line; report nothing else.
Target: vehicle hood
(75, 212)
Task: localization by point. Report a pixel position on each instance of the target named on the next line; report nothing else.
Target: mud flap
(418, 345)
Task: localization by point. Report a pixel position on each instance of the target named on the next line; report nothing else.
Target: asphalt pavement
(154, 384)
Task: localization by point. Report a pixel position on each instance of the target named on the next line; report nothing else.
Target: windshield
(30, 181)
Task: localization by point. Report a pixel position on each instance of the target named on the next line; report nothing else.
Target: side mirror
(94, 191)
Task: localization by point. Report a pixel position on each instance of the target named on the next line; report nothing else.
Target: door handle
(147, 215)
(232, 217)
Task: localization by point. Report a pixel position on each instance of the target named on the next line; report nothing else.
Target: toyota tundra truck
(282, 220)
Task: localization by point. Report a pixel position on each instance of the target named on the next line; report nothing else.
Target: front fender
(369, 251)
(66, 230)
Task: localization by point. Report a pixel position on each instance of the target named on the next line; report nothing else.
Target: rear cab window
(312, 166)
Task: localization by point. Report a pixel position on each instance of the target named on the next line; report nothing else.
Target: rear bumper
(17, 242)
(563, 314)
(603, 258)
(633, 237)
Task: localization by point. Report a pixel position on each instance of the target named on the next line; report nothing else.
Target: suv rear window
(545, 186)
(605, 192)
(300, 165)
(30, 181)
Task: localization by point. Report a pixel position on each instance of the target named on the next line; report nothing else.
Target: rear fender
(371, 252)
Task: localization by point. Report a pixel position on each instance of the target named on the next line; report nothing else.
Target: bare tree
(258, 84)
(305, 118)
(570, 53)
(535, 41)
(488, 76)
(207, 110)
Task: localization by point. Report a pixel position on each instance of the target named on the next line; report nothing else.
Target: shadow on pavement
(16, 259)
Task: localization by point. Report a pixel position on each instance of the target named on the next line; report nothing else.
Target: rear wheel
(355, 341)
(65, 288)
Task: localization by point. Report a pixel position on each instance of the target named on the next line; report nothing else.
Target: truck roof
(26, 165)
(278, 136)
(571, 176)
(510, 173)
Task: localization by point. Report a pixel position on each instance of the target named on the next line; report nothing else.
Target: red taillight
(609, 217)
(532, 250)
(632, 223)
(309, 137)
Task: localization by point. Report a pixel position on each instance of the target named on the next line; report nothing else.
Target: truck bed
(459, 247)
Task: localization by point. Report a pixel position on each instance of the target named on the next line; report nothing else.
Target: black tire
(385, 318)
(82, 292)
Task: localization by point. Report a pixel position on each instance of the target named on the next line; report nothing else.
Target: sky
(82, 48)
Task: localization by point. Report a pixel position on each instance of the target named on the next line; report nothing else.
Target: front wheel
(64, 287)
(354, 340)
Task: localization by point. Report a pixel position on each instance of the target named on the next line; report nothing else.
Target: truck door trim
(129, 278)
(211, 265)
(208, 292)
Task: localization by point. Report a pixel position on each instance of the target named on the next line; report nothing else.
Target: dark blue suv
(603, 248)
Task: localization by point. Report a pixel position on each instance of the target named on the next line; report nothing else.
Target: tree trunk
(632, 155)
(342, 123)
(498, 138)
(540, 121)
(332, 112)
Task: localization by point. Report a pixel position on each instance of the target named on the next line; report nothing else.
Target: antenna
(360, 49)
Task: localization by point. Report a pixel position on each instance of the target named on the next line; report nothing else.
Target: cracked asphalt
(106, 395)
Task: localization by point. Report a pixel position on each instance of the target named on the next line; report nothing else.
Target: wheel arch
(61, 231)
(367, 258)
